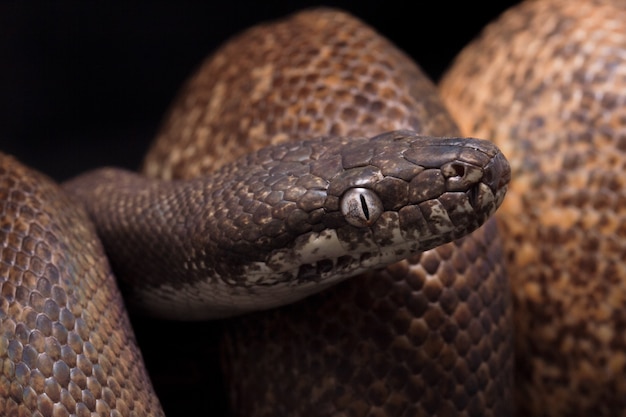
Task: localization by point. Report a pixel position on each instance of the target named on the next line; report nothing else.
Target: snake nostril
(458, 169)
(460, 176)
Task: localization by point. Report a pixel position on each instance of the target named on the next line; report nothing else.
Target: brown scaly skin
(311, 77)
(419, 338)
(66, 346)
(547, 82)
(430, 336)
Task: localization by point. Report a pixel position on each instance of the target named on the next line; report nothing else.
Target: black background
(85, 84)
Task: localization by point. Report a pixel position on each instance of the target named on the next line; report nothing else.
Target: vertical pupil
(366, 212)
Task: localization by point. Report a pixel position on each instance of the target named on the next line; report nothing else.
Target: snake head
(408, 192)
(386, 198)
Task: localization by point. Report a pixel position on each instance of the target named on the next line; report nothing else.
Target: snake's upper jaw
(489, 191)
(485, 174)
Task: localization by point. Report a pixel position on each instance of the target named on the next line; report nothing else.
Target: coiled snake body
(427, 336)
(547, 82)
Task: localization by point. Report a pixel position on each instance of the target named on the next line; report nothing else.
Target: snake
(291, 197)
(430, 335)
(547, 83)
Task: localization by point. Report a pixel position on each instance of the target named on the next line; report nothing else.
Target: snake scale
(427, 336)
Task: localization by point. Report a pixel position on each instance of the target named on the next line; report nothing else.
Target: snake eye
(361, 207)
